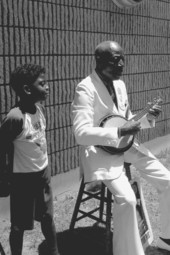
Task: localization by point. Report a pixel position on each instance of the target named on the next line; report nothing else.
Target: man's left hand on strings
(154, 111)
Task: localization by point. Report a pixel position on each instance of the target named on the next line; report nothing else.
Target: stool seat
(104, 208)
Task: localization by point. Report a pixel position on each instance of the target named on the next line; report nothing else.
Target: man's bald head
(106, 51)
(109, 60)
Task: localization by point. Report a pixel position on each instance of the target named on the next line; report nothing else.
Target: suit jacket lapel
(104, 94)
(120, 97)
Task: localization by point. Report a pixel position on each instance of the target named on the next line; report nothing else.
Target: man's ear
(26, 89)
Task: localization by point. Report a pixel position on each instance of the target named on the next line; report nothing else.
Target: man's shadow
(85, 240)
(88, 240)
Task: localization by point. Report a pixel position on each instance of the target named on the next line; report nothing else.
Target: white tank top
(30, 147)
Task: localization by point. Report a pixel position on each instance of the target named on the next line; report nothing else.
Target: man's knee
(129, 200)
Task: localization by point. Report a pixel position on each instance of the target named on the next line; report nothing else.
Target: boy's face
(39, 89)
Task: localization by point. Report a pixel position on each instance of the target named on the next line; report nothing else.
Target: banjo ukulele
(124, 142)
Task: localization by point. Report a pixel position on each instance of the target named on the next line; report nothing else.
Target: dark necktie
(112, 93)
(110, 88)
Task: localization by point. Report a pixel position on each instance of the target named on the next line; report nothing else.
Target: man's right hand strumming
(129, 128)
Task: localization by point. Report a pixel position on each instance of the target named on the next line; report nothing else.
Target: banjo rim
(110, 149)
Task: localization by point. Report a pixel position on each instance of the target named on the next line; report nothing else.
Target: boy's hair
(25, 75)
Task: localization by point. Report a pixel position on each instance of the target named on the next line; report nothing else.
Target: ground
(87, 238)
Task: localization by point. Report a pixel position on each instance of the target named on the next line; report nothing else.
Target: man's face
(114, 68)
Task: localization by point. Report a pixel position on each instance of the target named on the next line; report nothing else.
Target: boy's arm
(10, 128)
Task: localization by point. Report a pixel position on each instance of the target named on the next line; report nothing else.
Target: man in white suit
(100, 94)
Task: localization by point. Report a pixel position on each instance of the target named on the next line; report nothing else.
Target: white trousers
(126, 237)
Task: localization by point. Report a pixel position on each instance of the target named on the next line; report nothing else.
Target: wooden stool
(105, 198)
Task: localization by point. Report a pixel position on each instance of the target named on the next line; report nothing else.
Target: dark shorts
(31, 198)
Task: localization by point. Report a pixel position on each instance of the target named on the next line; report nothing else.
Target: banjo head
(125, 142)
(113, 121)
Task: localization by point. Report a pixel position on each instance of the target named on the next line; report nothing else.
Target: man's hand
(131, 127)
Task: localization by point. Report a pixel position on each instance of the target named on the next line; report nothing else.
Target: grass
(87, 238)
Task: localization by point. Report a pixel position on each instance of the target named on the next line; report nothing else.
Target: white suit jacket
(92, 102)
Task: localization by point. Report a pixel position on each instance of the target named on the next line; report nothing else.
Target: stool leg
(102, 201)
(127, 170)
(108, 221)
(77, 205)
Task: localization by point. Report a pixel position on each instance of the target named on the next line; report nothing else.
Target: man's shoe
(162, 245)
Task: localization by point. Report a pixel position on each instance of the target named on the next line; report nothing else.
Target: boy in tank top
(24, 128)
